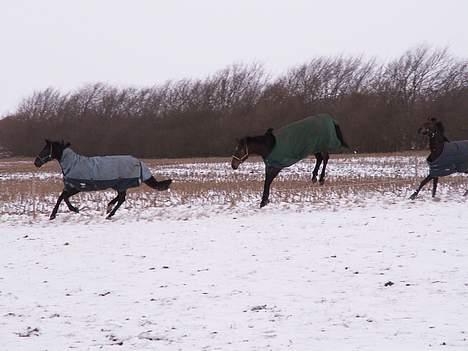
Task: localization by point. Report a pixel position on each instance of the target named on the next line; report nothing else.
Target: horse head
(241, 153)
(256, 145)
(431, 127)
(52, 151)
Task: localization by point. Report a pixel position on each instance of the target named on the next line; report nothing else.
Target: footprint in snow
(28, 332)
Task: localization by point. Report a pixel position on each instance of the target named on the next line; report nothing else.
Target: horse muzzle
(38, 163)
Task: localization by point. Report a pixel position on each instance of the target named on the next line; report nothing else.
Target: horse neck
(436, 145)
(259, 146)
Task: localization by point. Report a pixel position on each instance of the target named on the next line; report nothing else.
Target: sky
(67, 44)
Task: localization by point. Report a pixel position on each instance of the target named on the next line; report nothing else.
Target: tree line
(379, 106)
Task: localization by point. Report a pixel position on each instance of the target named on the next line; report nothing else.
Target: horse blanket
(300, 139)
(453, 159)
(102, 172)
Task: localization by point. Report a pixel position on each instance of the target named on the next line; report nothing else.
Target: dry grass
(25, 189)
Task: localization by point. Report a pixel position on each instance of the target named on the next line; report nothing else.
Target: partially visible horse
(315, 135)
(81, 173)
(445, 158)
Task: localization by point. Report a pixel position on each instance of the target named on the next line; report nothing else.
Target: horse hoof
(264, 203)
(52, 217)
(314, 180)
(412, 197)
(321, 181)
(109, 217)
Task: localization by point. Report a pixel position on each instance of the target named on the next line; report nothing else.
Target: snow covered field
(338, 267)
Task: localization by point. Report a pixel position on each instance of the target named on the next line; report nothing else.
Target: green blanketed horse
(316, 135)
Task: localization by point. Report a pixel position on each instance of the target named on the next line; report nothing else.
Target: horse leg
(120, 200)
(56, 207)
(325, 156)
(162, 185)
(111, 203)
(270, 174)
(318, 162)
(66, 198)
(424, 182)
(434, 185)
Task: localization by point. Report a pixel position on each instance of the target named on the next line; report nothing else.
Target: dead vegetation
(379, 106)
(26, 190)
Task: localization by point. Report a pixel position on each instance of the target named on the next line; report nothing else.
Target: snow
(351, 265)
(280, 278)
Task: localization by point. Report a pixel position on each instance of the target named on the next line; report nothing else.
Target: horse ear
(269, 131)
(67, 144)
(47, 141)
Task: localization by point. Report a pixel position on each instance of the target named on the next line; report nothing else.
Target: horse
(315, 135)
(445, 158)
(81, 173)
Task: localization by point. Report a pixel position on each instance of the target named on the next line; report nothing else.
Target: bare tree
(378, 105)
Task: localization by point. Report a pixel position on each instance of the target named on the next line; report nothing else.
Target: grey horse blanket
(102, 172)
(453, 159)
(300, 139)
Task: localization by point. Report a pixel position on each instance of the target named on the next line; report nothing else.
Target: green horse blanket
(300, 139)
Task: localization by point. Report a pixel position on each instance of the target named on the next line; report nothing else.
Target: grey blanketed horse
(445, 158)
(81, 173)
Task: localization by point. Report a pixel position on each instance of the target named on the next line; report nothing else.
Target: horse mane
(268, 139)
(65, 144)
(440, 127)
(61, 143)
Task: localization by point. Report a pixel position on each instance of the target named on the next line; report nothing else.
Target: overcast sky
(65, 44)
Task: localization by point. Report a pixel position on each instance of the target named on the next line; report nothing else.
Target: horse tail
(148, 179)
(161, 185)
(339, 134)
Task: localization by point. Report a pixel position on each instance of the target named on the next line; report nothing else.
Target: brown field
(24, 189)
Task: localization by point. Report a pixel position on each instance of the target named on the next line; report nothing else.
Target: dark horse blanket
(300, 139)
(102, 172)
(453, 159)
